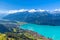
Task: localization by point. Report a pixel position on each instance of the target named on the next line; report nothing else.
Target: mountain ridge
(43, 18)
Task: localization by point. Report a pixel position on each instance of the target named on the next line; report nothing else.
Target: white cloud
(38, 10)
(29, 10)
(22, 10)
(14, 11)
(32, 10)
(41, 10)
(57, 10)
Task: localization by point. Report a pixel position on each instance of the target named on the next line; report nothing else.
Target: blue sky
(29, 4)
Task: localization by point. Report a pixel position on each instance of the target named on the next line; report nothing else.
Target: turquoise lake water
(45, 30)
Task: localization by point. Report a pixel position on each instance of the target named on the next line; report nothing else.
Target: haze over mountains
(43, 17)
(2, 15)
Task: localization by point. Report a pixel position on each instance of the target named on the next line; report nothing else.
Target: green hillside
(11, 31)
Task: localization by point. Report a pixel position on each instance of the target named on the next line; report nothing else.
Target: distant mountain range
(43, 18)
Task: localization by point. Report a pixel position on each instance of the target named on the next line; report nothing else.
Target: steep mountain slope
(3, 29)
(43, 18)
(7, 26)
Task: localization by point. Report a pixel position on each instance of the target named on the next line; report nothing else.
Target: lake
(45, 30)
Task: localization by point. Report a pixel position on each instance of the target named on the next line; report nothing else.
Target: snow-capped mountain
(43, 17)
